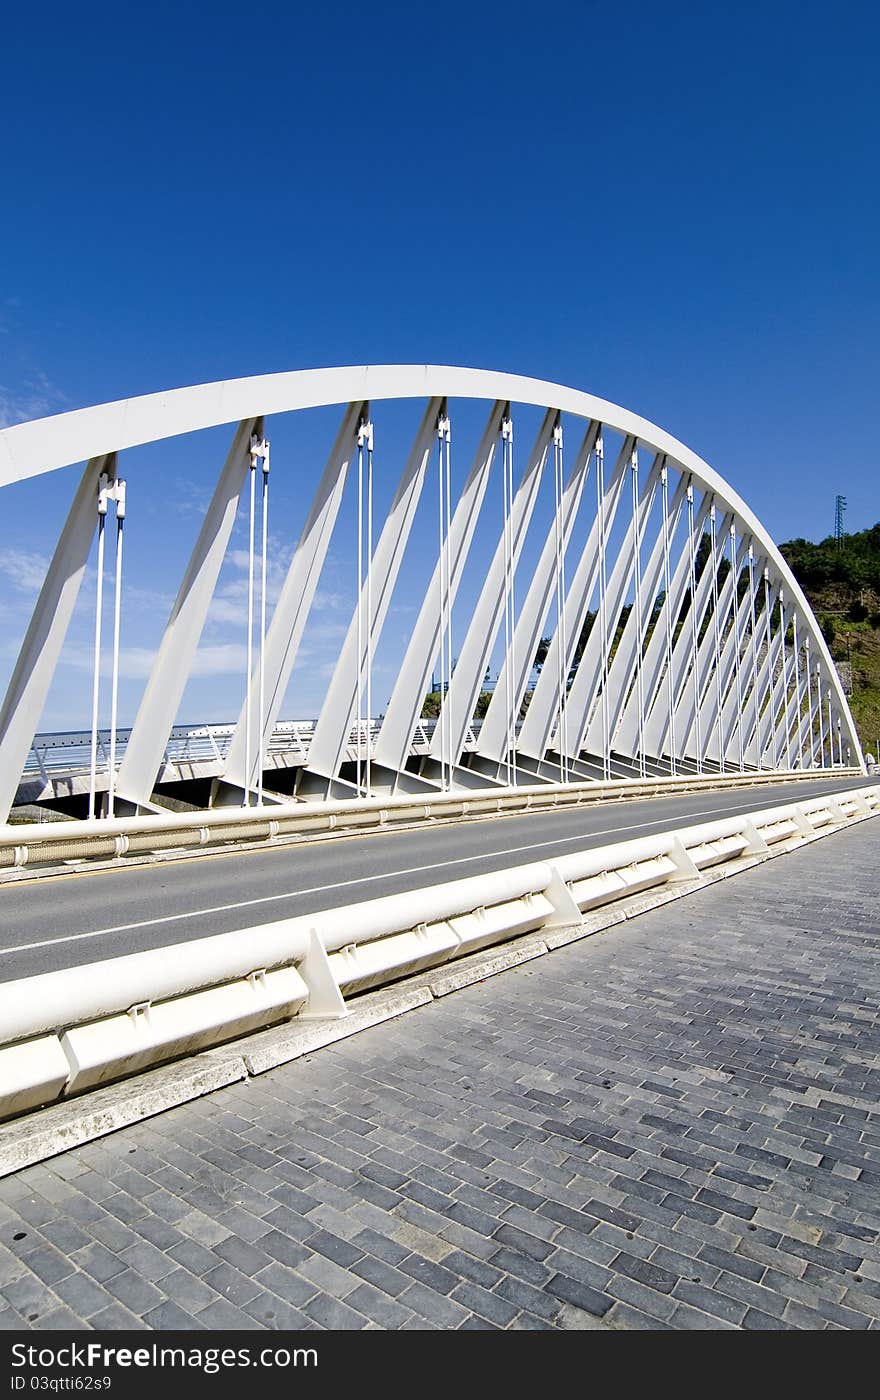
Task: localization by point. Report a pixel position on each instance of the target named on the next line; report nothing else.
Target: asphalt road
(63, 921)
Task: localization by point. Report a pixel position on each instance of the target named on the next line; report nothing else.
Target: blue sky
(672, 206)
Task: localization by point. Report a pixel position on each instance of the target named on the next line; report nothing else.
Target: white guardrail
(67, 1031)
(32, 843)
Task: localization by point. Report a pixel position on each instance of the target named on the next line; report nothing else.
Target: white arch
(30, 449)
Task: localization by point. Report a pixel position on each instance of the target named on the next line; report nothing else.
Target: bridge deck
(676, 1123)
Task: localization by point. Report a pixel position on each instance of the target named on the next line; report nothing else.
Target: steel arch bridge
(674, 637)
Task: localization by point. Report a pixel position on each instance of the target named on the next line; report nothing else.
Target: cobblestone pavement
(673, 1124)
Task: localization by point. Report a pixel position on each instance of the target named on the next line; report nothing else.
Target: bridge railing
(65, 1032)
(39, 843)
(68, 753)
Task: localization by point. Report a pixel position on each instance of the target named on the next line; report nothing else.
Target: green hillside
(842, 583)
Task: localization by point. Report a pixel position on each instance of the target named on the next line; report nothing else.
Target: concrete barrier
(114, 839)
(149, 1033)
(64, 1032)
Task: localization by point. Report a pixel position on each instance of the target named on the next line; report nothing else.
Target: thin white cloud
(36, 397)
(327, 601)
(136, 663)
(25, 569)
(224, 660)
(228, 611)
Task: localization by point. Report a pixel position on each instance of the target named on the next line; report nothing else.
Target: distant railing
(69, 753)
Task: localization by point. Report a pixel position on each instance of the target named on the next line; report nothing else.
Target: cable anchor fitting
(259, 448)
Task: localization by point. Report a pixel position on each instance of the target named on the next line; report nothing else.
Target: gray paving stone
(491, 1306)
(241, 1255)
(668, 1128)
(231, 1284)
(289, 1285)
(329, 1277)
(83, 1295)
(807, 1319)
(710, 1301)
(287, 1251)
(523, 1242)
(223, 1316)
(149, 1262)
(332, 1247)
(65, 1235)
(587, 1246)
(427, 1271)
(525, 1297)
(61, 1320)
(169, 1316)
(193, 1256)
(272, 1312)
(588, 1300)
(647, 1300)
(381, 1275)
(691, 1319)
(661, 1280)
(30, 1297)
(49, 1265)
(134, 1292)
(190, 1292)
(630, 1319)
(755, 1321)
(329, 1312)
(577, 1267)
(378, 1306)
(753, 1294)
(383, 1248)
(436, 1308)
(116, 1318)
(464, 1266)
(200, 1227)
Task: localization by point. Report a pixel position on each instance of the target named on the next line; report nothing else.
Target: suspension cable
(637, 561)
(449, 656)
(103, 490)
(512, 601)
(603, 605)
(361, 441)
(248, 726)
(694, 643)
(119, 498)
(441, 710)
(819, 708)
(509, 611)
(262, 740)
(563, 637)
(667, 610)
(809, 668)
(797, 691)
(767, 633)
(736, 656)
(562, 723)
(443, 561)
(717, 637)
(369, 638)
(753, 639)
(785, 705)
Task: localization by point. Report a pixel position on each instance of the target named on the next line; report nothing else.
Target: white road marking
(347, 884)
